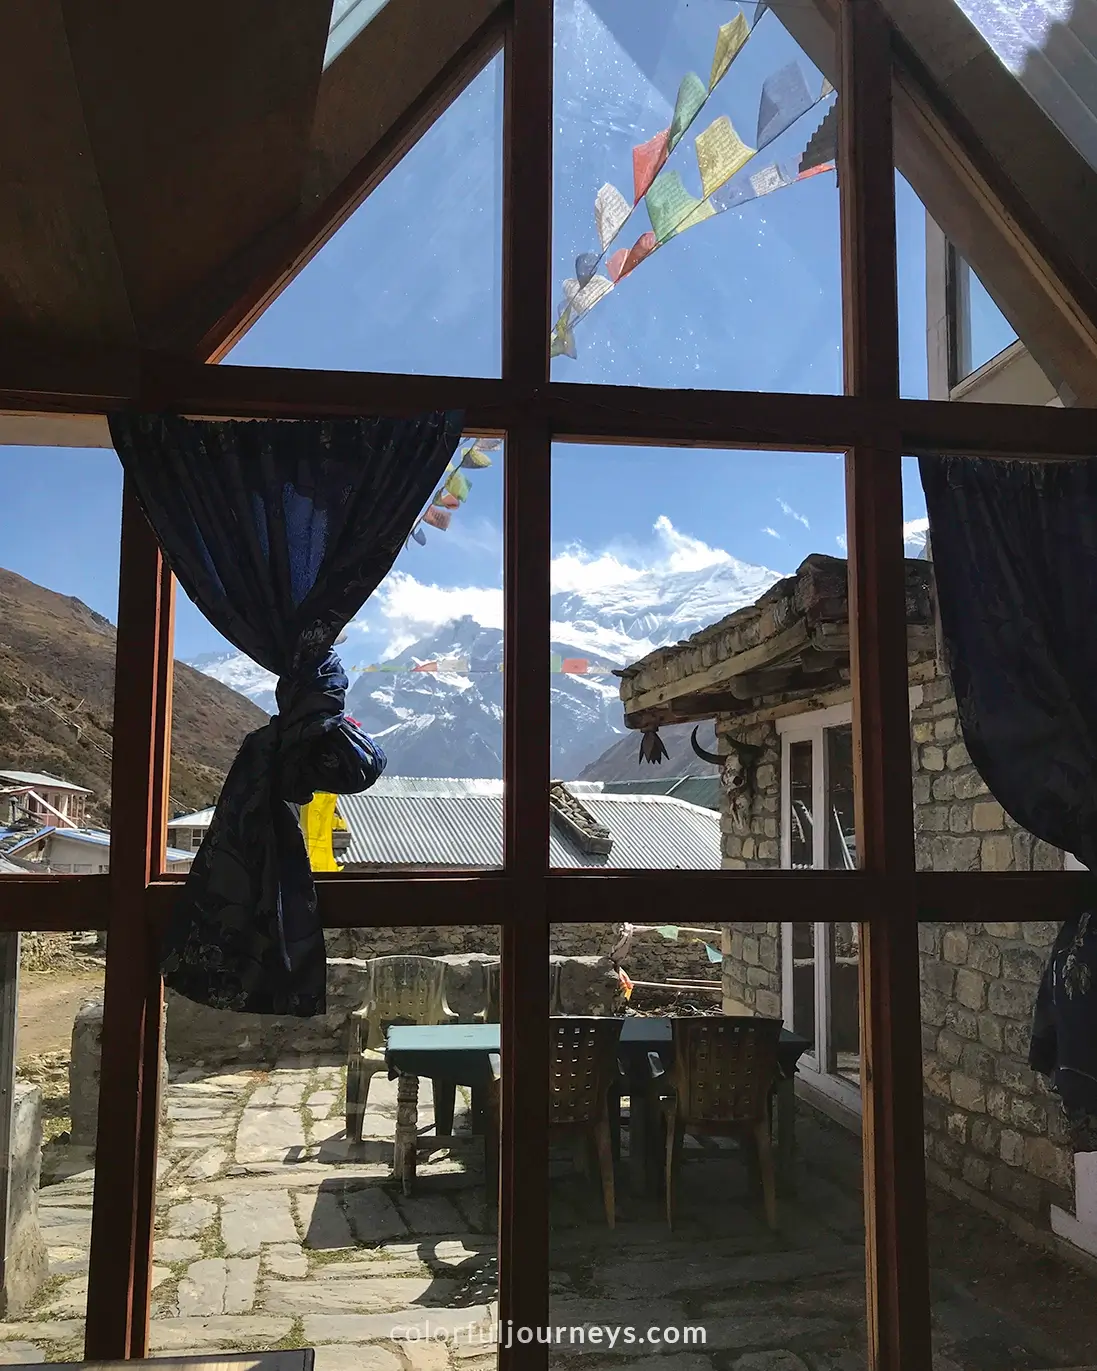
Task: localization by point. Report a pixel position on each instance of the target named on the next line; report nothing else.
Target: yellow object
(318, 821)
(729, 40)
(720, 154)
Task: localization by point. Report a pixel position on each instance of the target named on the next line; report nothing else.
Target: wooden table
(458, 1054)
(299, 1360)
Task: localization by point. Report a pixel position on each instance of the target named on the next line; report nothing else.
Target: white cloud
(771, 531)
(405, 609)
(576, 568)
(786, 508)
(840, 539)
(915, 532)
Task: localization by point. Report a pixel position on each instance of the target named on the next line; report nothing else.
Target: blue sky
(747, 300)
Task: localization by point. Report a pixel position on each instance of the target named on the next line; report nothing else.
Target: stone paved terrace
(273, 1231)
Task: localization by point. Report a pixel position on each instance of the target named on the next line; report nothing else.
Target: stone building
(775, 676)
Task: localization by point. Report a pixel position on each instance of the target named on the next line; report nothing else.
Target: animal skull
(736, 777)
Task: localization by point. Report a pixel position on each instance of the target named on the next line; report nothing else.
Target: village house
(48, 798)
(775, 677)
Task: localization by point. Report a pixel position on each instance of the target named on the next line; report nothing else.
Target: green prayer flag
(458, 486)
(692, 94)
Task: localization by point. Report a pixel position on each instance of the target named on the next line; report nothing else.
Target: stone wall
(650, 958)
(760, 848)
(26, 1263)
(958, 824)
(991, 1124)
(990, 1120)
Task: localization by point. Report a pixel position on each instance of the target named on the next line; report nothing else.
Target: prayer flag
(615, 264)
(785, 96)
(556, 662)
(317, 819)
(446, 501)
(425, 666)
(729, 40)
(452, 664)
(437, 518)
(574, 666)
(476, 458)
(586, 264)
(582, 299)
(668, 931)
(489, 444)
(692, 94)
(647, 162)
(672, 209)
(419, 536)
(816, 171)
(713, 955)
(644, 246)
(827, 89)
(458, 486)
(562, 342)
(769, 179)
(611, 209)
(720, 154)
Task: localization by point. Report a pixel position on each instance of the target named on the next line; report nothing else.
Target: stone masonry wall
(991, 1124)
(760, 848)
(958, 824)
(990, 1121)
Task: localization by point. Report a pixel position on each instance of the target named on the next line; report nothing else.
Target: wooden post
(891, 1070)
(523, 1208)
(9, 1041)
(121, 1233)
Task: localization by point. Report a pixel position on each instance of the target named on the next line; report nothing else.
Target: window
(776, 284)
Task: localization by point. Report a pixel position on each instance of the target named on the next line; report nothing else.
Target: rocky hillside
(57, 697)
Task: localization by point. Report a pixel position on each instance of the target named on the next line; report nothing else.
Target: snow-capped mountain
(450, 722)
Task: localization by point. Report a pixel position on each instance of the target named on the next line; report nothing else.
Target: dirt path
(48, 1003)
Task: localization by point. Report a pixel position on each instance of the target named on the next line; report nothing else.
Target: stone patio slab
(193, 1334)
(320, 1328)
(251, 1218)
(188, 1219)
(324, 1224)
(356, 1358)
(366, 1295)
(267, 1135)
(218, 1286)
(373, 1216)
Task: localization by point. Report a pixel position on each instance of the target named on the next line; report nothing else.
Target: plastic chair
(719, 1084)
(405, 990)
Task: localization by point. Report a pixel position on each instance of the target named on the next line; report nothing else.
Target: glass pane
(841, 834)
(412, 281)
(1000, 1159)
(801, 819)
(276, 1224)
(984, 329)
(801, 960)
(59, 596)
(52, 1156)
(424, 659)
(910, 260)
(843, 1001)
(696, 238)
(727, 1283)
(670, 678)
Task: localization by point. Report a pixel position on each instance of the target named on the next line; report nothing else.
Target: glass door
(821, 960)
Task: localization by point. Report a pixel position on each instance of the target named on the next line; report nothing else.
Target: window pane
(672, 669)
(1000, 1159)
(58, 603)
(804, 975)
(985, 329)
(424, 659)
(720, 268)
(412, 281)
(801, 815)
(722, 1283)
(275, 1224)
(841, 835)
(52, 1157)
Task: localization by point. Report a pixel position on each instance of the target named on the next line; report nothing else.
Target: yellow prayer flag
(317, 822)
(729, 40)
(720, 154)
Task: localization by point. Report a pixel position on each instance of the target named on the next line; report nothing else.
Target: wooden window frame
(869, 422)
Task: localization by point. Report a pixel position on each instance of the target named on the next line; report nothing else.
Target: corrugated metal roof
(11, 868)
(38, 778)
(93, 837)
(650, 833)
(201, 818)
(697, 790)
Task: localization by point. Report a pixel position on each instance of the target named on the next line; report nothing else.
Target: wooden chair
(409, 990)
(582, 1071)
(719, 1084)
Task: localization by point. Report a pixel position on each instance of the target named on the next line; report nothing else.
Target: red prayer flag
(426, 666)
(446, 500)
(644, 246)
(437, 518)
(647, 159)
(615, 264)
(574, 666)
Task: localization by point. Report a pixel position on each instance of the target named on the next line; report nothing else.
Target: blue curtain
(279, 532)
(1015, 557)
